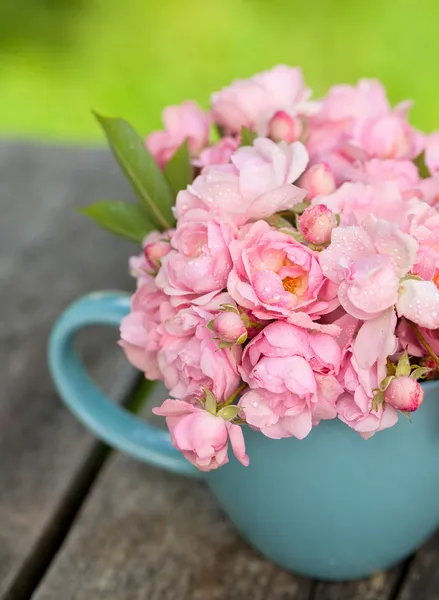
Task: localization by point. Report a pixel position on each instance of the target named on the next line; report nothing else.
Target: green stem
(233, 397)
(424, 342)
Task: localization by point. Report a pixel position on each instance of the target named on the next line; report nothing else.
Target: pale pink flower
(217, 154)
(155, 246)
(318, 180)
(229, 326)
(389, 136)
(284, 127)
(331, 129)
(404, 393)
(317, 223)
(354, 406)
(274, 275)
(374, 171)
(291, 373)
(355, 410)
(285, 358)
(200, 436)
(140, 330)
(252, 102)
(347, 103)
(409, 341)
(418, 301)
(424, 227)
(190, 359)
(257, 185)
(357, 123)
(429, 189)
(355, 202)
(185, 121)
(367, 262)
(432, 153)
(200, 263)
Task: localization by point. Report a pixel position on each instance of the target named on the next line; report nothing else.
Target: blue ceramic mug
(332, 506)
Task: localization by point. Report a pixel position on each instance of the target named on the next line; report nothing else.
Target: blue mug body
(332, 506)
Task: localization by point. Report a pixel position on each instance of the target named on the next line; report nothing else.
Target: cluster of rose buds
(301, 280)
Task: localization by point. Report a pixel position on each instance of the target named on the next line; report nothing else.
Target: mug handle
(110, 422)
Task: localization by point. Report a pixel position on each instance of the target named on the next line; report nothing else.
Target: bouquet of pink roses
(290, 266)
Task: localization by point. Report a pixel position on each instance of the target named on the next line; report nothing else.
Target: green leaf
(403, 367)
(247, 137)
(377, 400)
(300, 207)
(210, 402)
(278, 221)
(229, 308)
(121, 218)
(420, 373)
(386, 382)
(422, 167)
(229, 412)
(179, 171)
(146, 178)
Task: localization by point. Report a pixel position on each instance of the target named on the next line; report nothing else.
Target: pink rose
(424, 227)
(357, 123)
(418, 301)
(199, 266)
(404, 393)
(185, 121)
(140, 330)
(318, 180)
(432, 153)
(354, 406)
(274, 275)
(291, 373)
(229, 326)
(347, 103)
(355, 202)
(410, 342)
(283, 127)
(317, 223)
(252, 102)
(257, 185)
(155, 246)
(190, 359)
(200, 436)
(367, 263)
(218, 154)
(429, 189)
(331, 129)
(389, 136)
(374, 171)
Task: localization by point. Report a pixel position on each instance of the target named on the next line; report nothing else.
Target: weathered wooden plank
(48, 256)
(379, 587)
(422, 580)
(144, 534)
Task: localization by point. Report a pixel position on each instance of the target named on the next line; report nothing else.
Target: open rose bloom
(297, 278)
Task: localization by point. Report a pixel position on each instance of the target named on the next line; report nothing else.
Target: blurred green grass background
(61, 58)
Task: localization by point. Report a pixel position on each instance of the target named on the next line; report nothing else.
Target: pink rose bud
(230, 327)
(155, 251)
(317, 223)
(284, 128)
(318, 180)
(404, 393)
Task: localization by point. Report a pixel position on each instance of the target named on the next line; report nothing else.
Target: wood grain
(422, 579)
(48, 256)
(144, 534)
(378, 587)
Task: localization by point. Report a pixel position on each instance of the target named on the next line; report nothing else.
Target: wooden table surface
(77, 521)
